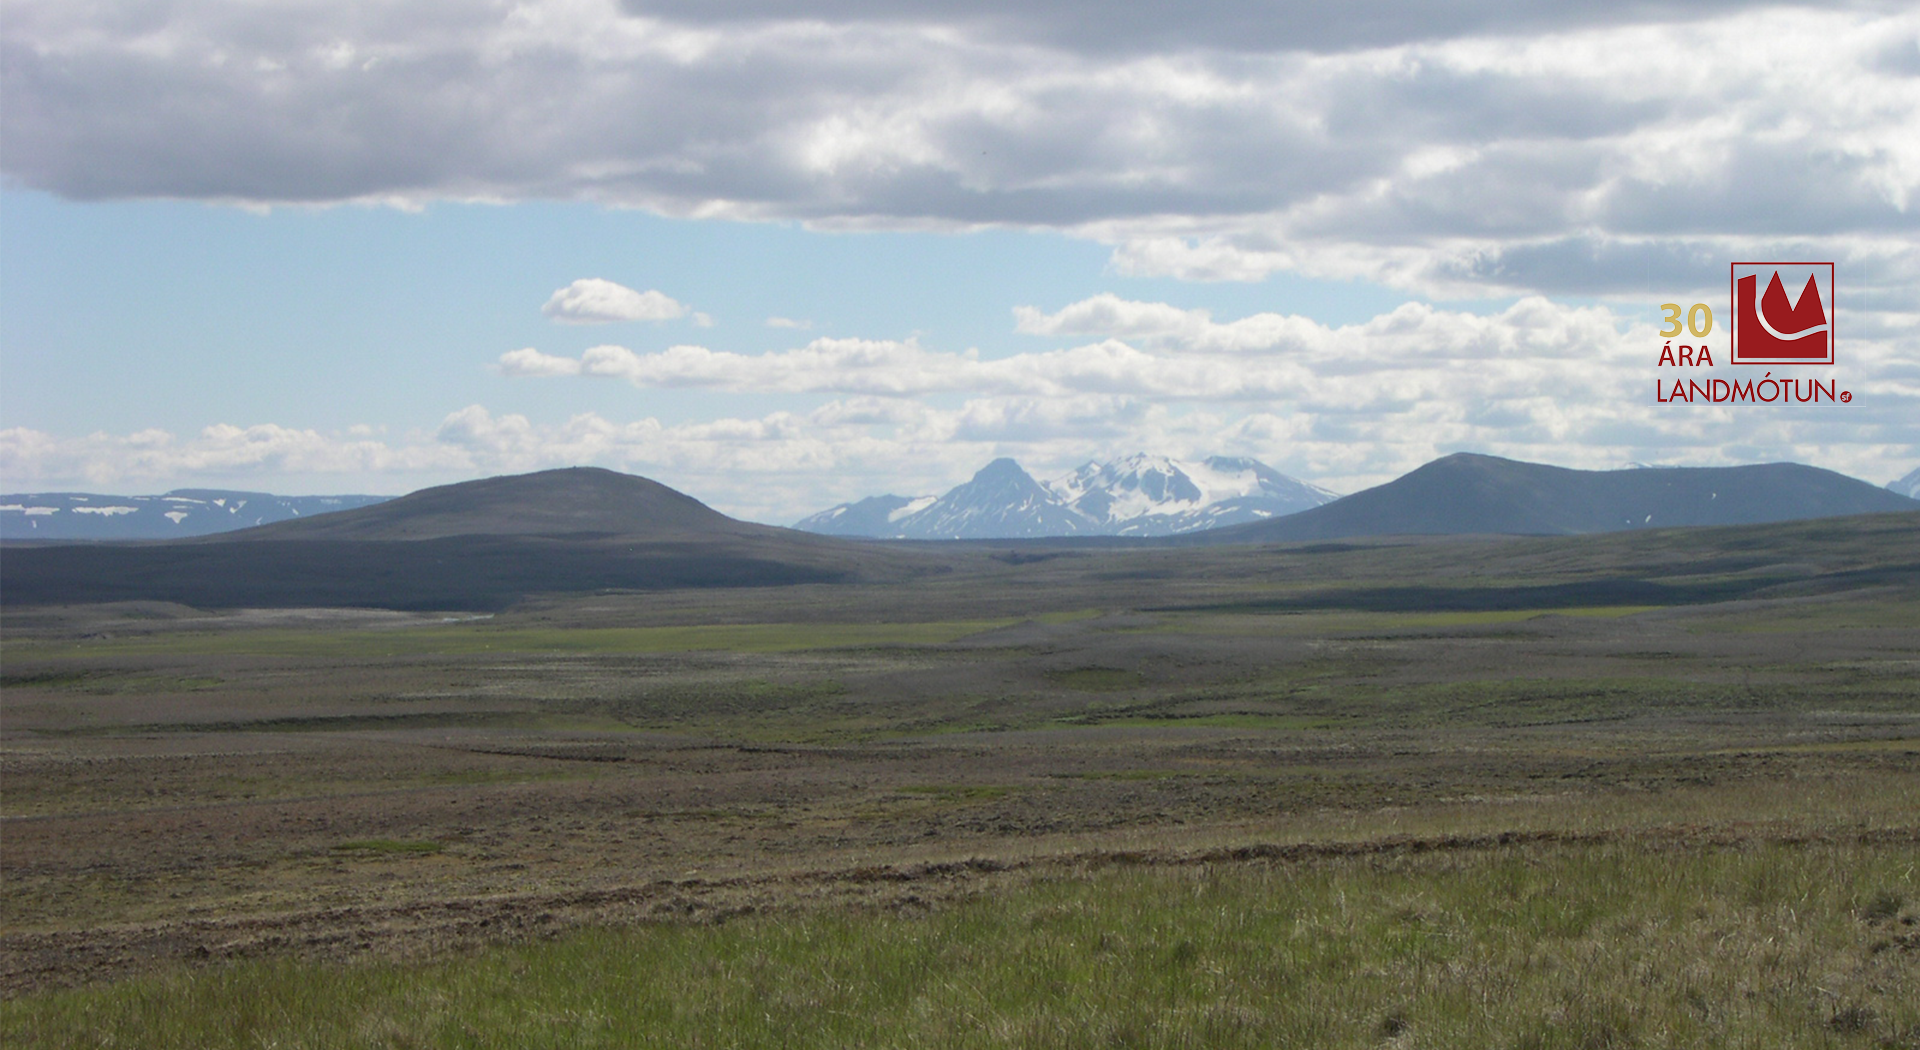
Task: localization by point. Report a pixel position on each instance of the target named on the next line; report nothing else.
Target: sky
(781, 255)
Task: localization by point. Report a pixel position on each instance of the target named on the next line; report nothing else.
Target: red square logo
(1782, 313)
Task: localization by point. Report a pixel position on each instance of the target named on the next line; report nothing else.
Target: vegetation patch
(45, 679)
(1544, 945)
(958, 792)
(1240, 720)
(462, 639)
(1825, 615)
(391, 846)
(329, 723)
(1096, 679)
(1297, 622)
(1132, 774)
(1613, 593)
(726, 755)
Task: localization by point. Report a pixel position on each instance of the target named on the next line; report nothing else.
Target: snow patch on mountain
(1145, 495)
(1908, 486)
(182, 512)
(1139, 495)
(911, 507)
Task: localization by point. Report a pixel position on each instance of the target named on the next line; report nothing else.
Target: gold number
(1699, 330)
(1672, 318)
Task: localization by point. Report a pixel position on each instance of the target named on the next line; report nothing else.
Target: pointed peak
(999, 469)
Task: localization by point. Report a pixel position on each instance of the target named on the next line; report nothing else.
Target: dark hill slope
(454, 573)
(1466, 493)
(570, 502)
(477, 545)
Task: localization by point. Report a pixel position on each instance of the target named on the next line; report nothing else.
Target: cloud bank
(1576, 147)
(1534, 152)
(1345, 406)
(1416, 351)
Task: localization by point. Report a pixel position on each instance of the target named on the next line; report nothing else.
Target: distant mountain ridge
(1467, 494)
(474, 545)
(170, 515)
(1139, 495)
(492, 543)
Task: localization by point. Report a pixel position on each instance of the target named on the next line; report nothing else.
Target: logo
(1771, 329)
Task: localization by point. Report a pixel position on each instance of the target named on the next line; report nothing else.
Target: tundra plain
(1646, 789)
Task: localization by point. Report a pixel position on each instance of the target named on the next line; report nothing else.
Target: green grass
(1617, 945)
(1244, 622)
(1320, 697)
(45, 679)
(1466, 619)
(522, 720)
(1854, 614)
(1068, 616)
(1096, 679)
(460, 640)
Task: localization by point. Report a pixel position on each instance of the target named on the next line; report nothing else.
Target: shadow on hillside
(482, 573)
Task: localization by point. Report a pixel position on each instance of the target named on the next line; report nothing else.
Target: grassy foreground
(1623, 944)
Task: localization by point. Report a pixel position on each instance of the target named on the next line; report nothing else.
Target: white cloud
(903, 369)
(1503, 146)
(219, 451)
(1158, 324)
(530, 362)
(1186, 357)
(783, 465)
(592, 300)
(1496, 148)
(788, 322)
(1343, 406)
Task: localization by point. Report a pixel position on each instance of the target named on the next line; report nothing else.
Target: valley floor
(1400, 795)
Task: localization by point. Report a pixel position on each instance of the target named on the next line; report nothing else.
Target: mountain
(1908, 486)
(569, 502)
(477, 545)
(1140, 495)
(1002, 501)
(873, 516)
(1466, 493)
(181, 512)
(1156, 496)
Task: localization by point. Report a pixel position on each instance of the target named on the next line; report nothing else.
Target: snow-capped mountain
(182, 512)
(1155, 496)
(1137, 496)
(1001, 502)
(1908, 486)
(873, 516)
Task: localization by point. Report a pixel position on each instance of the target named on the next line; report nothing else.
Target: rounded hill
(1467, 493)
(575, 501)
